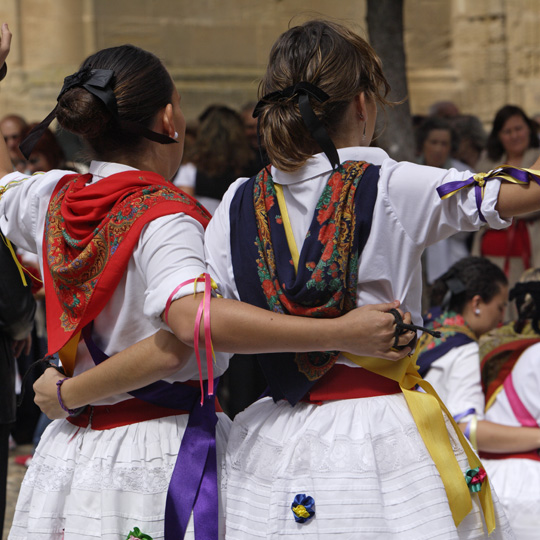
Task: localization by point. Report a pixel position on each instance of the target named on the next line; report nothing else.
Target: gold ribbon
(426, 410)
(68, 354)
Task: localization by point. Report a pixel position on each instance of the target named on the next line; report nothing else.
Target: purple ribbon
(193, 486)
(478, 180)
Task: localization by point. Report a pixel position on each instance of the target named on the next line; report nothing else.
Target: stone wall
(479, 53)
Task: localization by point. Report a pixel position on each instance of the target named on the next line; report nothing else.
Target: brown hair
(221, 146)
(49, 146)
(142, 87)
(327, 55)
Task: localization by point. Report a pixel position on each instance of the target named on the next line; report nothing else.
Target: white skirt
(84, 484)
(517, 482)
(362, 461)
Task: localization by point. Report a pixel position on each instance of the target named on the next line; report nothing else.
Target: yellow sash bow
(426, 410)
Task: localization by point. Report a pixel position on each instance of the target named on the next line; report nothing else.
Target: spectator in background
(221, 154)
(260, 159)
(513, 141)
(47, 153)
(444, 109)
(510, 377)
(471, 139)
(435, 142)
(12, 127)
(17, 307)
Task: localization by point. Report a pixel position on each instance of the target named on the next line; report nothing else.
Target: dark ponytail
(464, 280)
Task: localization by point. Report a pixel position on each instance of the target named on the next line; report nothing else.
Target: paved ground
(15, 476)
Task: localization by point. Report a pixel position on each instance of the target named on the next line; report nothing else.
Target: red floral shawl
(90, 233)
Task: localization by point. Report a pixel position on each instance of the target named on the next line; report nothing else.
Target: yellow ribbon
(301, 511)
(20, 267)
(68, 354)
(426, 410)
(287, 225)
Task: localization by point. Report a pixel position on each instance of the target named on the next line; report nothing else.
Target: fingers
(407, 319)
(5, 43)
(405, 339)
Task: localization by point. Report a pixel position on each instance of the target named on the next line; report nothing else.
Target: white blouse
(408, 216)
(169, 252)
(526, 381)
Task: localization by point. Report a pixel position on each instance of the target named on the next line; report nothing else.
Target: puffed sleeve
(170, 252)
(411, 191)
(23, 206)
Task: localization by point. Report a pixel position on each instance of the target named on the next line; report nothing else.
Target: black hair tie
(99, 82)
(402, 328)
(303, 90)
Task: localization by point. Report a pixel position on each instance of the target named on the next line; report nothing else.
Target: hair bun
(82, 113)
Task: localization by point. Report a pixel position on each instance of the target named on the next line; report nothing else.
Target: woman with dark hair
(467, 302)
(436, 141)
(510, 377)
(344, 447)
(512, 140)
(137, 444)
(220, 154)
(46, 155)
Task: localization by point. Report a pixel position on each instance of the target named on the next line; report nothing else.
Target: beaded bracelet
(71, 412)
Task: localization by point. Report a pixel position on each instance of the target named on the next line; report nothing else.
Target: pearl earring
(175, 135)
(477, 311)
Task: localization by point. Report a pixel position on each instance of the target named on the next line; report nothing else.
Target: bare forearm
(516, 200)
(242, 328)
(498, 438)
(152, 359)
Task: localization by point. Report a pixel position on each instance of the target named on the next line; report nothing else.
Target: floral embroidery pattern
(328, 267)
(76, 265)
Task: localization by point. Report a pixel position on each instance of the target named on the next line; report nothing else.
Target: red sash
(344, 382)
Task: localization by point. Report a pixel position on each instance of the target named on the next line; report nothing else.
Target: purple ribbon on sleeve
(514, 175)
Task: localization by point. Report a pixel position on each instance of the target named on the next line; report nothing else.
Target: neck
(146, 160)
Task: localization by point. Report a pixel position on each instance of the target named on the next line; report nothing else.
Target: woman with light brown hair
(343, 447)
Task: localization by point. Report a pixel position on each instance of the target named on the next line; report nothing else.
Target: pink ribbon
(204, 308)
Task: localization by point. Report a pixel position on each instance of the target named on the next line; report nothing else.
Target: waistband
(344, 382)
(130, 411)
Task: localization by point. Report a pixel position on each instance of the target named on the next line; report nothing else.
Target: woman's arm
(241, 328)
(236, 326)
(501, 439)
(145, 362)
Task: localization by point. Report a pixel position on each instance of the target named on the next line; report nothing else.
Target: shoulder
(530, 156)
